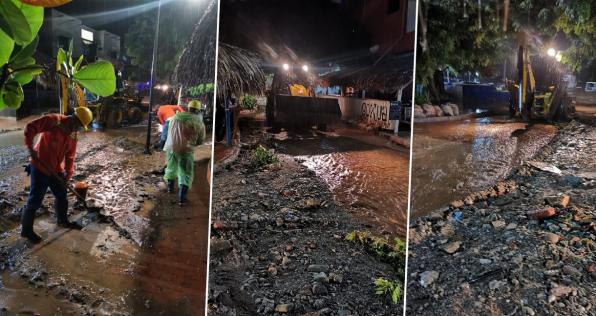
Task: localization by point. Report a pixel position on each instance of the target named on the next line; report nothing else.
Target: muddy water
(159, 270)
(370, 178)
(453, 159)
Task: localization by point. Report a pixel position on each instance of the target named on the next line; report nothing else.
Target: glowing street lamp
(305, 67)
(286, 67)
(551, 52)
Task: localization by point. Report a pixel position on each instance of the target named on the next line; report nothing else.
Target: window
(87, 35)
(393, 6)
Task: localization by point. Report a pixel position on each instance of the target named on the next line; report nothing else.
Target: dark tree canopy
(176, 25)
(467, 37)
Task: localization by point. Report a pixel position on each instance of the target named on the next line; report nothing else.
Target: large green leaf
(34, 16)
(6, 47)
(24, 52)
(26, 75)
(18, 26)
(99, 78)
(29, 61)
(12, 94)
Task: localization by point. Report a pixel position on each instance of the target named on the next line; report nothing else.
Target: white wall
(107, 43)
(368, 110)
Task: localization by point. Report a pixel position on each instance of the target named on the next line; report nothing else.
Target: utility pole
(151, 101)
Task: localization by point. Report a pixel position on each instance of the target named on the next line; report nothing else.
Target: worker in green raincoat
(186, 130)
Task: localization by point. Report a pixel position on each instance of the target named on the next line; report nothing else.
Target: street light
(551, 52)
(286, 67)
(305, 68)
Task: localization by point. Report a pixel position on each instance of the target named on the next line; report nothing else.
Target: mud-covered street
(452, 159)
(280, 241)
(139, 253)
(523, 246)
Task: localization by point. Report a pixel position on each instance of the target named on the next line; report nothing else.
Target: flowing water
(363, 174)
(453, 159)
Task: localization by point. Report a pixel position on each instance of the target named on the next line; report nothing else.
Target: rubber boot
(70, 225)
(171, 186)
(61, 205)
(27, 217)
(182, 195)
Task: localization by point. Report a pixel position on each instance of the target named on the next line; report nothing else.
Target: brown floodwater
(361, 173)
(453, 159)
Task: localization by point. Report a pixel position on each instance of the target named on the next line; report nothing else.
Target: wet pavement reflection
(452, 159)
(364, 175)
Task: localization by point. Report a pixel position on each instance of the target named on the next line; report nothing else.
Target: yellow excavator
(547, 99)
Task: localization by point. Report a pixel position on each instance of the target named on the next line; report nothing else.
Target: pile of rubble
(429, 110)
(523, 247)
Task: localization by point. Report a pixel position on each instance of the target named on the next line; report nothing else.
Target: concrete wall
(369, 110)
(387, 20)
(63, 25)
(108, 45)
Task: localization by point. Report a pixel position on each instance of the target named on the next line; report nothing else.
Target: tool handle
(54, 174)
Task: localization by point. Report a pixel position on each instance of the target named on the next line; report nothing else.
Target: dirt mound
(279, 246)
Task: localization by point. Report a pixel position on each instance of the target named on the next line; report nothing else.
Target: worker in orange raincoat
(52, 164)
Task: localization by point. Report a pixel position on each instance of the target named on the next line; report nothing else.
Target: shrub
(262, 157)
(248, 102)
(420, 98)
(388, 287)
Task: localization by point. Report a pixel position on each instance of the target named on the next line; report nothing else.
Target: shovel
(63, 181)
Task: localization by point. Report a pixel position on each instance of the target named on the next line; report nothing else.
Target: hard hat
(84, 115)
(194, 104)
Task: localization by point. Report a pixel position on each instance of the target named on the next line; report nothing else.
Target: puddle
(371, 178)
(454, 159)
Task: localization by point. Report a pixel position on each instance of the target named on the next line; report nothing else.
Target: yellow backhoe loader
(547, 98)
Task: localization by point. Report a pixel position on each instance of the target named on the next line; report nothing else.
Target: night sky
(319, 31)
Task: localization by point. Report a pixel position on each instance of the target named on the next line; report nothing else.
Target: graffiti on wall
(377, 112)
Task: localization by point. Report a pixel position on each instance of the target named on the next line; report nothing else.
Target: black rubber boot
(171, 185)
(182, 195)
(27, 218)
(70, 225)
(32, 236)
